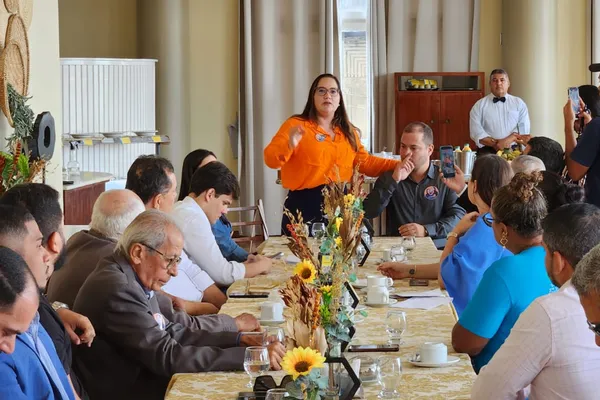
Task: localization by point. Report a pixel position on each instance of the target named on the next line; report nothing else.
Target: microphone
(594, 67)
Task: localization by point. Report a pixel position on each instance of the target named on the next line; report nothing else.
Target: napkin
(292, 259)
(423, 303)
(428, 293)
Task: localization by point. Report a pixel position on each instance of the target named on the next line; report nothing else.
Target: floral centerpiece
(320, 320)
(305, 366)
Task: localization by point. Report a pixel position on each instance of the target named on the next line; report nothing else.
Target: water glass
(274, 334)
(277, 394)
(398, 253)
(409, 243)
(389, 374)
(395, 325)
(318, 230)
(256, 362)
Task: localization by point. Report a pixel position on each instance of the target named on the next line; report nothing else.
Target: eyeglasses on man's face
(594, 327)
(171, 261)
(321, 91)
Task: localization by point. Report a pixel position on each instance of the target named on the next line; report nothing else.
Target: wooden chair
(250, 233)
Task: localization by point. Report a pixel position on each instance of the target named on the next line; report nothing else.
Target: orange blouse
(312, 161)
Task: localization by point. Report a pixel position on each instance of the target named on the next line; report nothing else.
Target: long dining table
(433, 325)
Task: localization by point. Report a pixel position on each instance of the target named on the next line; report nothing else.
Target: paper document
(428, 293)
(423, 303)
(292, 259)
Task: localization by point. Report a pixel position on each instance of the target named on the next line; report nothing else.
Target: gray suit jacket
(132, 356)
(84, 250)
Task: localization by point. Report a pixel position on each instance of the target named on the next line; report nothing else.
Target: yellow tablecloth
(417, 383)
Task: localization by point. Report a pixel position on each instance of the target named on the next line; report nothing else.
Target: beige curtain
(417, 35)
(284, 45)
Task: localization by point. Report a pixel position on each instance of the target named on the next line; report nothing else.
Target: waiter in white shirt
(498, 120)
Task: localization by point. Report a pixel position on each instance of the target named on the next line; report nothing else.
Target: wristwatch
(412, 271)
(57, 305)
(452, 234)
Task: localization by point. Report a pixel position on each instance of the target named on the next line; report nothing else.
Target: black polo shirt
(429, 203)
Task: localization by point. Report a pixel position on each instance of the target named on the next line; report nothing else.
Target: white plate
(270, 322)
(359, 283)
(146, 133)
(379, 305)
(359, 307)
(451, 360)
(365, 290)
(113, 134)
(84, 135)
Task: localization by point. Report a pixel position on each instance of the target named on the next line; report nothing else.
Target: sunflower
(306, 271)
(349, 200)
(300, 361)
(326, 289)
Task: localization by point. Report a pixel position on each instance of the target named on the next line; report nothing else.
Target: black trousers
(309, 202)
(486, 150)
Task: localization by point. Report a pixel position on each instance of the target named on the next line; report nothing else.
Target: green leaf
(363, 313)
(8, 171)
(23, 165)
(352, 277)
(294, 390)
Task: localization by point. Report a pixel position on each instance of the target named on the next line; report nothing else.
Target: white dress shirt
(190, 282)
(498, 120)
(550, 348)
(201, 246)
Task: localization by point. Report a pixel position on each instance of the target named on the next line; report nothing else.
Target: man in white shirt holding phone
(499, 119)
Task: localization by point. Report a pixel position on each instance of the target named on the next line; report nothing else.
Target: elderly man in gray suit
(137, 349)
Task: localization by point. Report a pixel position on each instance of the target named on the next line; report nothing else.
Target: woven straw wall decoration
(12, 70)
(12, 6)
(26, 12)
(16, 32)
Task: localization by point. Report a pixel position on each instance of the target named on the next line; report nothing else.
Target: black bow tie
(497, 99)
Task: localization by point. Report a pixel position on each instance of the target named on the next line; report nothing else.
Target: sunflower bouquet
(305, 365)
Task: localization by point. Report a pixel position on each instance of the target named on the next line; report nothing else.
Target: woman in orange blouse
(308, 146)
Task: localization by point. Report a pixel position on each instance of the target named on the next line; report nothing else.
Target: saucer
(379, 305)
(359, 283)
(360, 307)
(366, 289)
(270, 322)
(451, 360)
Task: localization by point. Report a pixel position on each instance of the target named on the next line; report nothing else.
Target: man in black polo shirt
(418, 203)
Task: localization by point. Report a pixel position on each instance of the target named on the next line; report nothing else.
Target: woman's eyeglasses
(488, 220)
(321, 91)
(171, 261)
(594, 327)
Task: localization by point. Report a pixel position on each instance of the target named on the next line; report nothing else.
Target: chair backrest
(253, 230)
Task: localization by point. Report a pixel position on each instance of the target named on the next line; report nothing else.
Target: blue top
(229, 248)
(463, 268)
(506, 289)
(33, 370)
(586, 153)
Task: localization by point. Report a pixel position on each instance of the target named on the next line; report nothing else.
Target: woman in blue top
(222, 228)
(471, 247)
(510, 284)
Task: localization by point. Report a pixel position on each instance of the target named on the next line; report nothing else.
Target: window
(355, 64)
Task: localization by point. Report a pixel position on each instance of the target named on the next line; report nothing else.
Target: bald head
(113, 212)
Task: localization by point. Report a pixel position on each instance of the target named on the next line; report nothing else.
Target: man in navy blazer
(29, 365)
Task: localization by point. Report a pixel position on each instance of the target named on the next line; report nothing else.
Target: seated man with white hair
(527, 164)
(586, 281)
(113, 211)
(138, 349)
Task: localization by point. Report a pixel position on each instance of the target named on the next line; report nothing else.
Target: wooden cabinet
(445, 110)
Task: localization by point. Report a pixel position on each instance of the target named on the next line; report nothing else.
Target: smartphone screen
(447, 159)
(574, 97)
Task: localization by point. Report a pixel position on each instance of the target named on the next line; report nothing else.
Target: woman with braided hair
(510, 284)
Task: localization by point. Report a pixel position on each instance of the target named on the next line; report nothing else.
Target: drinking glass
(73, 166)
(277, 394)
(389, 374)
(398, 253)
(274, 334)
(409, 243)
(256, 362)
(395, 325)
(318, 230)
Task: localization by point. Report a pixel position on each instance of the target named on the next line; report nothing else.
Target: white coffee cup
(379, 280)
(433, 353)
(271, 311)
(387, 255)
(378, 295)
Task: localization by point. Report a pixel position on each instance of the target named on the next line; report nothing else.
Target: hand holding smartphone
(447, 160)
(574, 97)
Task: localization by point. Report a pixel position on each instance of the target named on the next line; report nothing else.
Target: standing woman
(308, 146)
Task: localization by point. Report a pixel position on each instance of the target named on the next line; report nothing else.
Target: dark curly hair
(558, 192)
(521, 205)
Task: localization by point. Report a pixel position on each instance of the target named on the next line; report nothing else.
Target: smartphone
(251, 295)
(447, 160)
(418, 282)
(574, 97)
(360, 348)
(252, 395)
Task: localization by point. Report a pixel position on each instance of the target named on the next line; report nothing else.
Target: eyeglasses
(488, 220)
(321, 91)
(594, 327)
(170, 261)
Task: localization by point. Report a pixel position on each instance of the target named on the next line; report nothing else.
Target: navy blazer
(22, 374)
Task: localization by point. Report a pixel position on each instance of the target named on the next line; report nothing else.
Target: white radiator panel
(114, 159)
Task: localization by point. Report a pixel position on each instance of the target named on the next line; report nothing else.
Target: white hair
(586, 278)
(527, 164)
(149, 228)
(114, 210)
